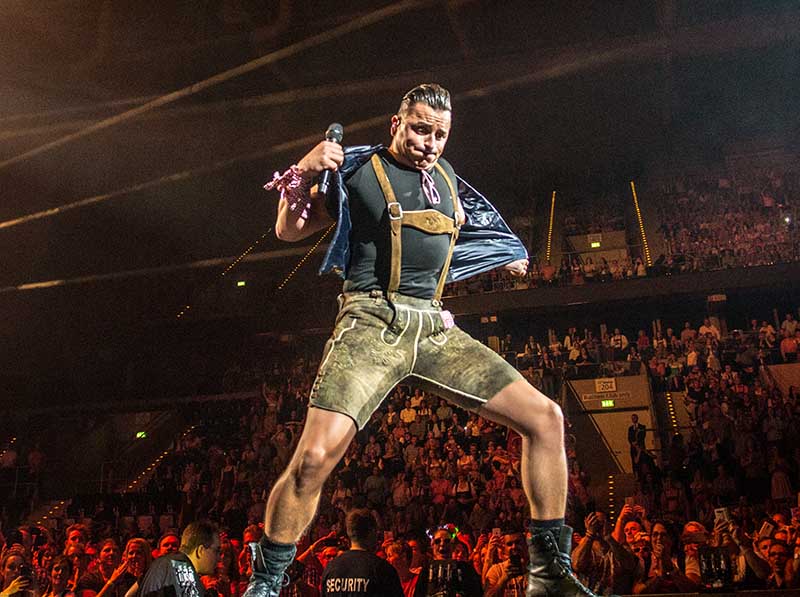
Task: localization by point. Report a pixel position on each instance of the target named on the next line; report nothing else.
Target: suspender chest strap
(430, 221)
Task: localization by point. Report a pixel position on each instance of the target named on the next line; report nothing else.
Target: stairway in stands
(784, 376)
(617, 488)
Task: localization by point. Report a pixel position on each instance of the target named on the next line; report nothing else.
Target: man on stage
(405, 224)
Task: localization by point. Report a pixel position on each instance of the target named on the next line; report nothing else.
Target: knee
(547, 423)
(311, 467)
(554, 419)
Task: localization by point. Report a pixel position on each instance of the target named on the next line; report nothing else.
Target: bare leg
(539, 421)
(544, 477)
(294, 498)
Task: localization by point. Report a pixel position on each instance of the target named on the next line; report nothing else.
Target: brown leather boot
(550, 569)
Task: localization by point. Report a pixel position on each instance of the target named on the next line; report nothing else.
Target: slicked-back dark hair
(430, 94)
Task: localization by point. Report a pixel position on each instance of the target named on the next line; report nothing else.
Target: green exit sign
(595, 244)
(141, 434)
(607, 403)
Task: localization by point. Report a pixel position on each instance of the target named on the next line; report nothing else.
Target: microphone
(334, 133)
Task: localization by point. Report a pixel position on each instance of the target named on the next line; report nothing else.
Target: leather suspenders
(427, 220)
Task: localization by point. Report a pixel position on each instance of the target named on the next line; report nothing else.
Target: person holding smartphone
(58, 578)
(312, 558)
(110, 578)
(663, 575)
(507, 577)
(602, 562)
(17, 575)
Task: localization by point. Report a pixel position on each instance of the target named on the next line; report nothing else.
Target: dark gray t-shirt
(172, 575)
(423, 254)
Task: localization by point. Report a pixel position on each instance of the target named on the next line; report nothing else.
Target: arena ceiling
(135, 136)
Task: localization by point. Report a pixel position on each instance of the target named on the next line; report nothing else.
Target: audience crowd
(713, 224)
(592, 215)
(707, 222)
(716, 508)
(572, 270)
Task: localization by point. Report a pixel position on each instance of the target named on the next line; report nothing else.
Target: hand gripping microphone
(334, 133)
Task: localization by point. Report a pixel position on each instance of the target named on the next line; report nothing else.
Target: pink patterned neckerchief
(429, 188)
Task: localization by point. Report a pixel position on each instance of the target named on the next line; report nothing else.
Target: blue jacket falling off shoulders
(485, 241)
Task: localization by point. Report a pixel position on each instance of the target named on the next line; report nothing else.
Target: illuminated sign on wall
(605, 384)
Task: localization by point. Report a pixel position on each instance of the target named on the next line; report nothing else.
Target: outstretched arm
(301, 212)
(315, 547)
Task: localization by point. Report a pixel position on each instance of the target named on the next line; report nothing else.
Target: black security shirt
(358, 573)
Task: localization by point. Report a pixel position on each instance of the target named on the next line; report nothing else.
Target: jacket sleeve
(485, 241)
(337, 257)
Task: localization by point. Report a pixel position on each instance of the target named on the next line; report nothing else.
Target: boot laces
(581, 587)
(273, 582)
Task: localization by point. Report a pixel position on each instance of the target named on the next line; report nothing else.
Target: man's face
(207, 557)
(632, 528)
(778, 556)
(763, 547)
(109, 554)
(169, 544)
(514, 545)
(442, 545)
(419, 135)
